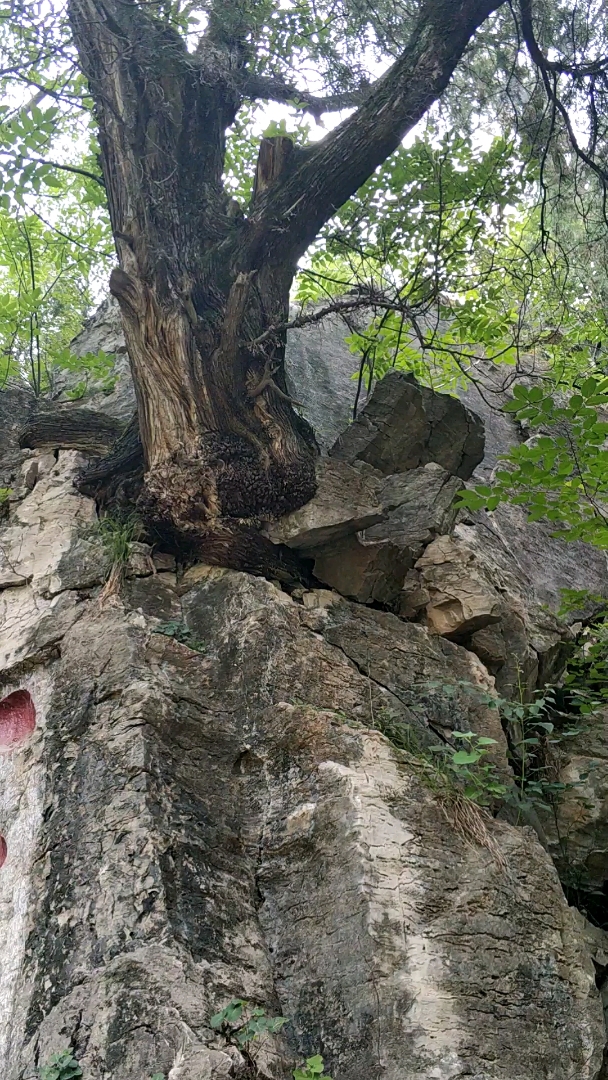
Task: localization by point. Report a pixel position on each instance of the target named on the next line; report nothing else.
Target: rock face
(347, 500)
(200, 800)
(364, 531)
(248, 835)
(578, 830)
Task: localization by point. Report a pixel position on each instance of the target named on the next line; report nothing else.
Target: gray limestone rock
(405, 424)
(577, 830)
(229, 825)
(347, 500)
(372, 566)
(478, 601)
(542, 562)
(320, 371)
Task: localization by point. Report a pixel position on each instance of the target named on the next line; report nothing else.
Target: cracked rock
(347, 500)
(372, 565)
(405, 425)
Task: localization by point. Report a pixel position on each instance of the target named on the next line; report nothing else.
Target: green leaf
(230, 1015)
(465, 757)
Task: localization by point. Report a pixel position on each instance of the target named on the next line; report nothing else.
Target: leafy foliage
(62, 1066)
(561, 474)
(243, 1023)
(312, 1069)
(470, 769)
(447, 769)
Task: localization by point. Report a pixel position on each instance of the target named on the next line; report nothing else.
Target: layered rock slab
(469, 596)
(223, 823)
(371, 566)
(365, 531)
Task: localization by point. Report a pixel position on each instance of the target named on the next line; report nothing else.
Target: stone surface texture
(578, 831)
(363, 560)
(404, 425)
(217, 813)
(186, 827)
(347, 500)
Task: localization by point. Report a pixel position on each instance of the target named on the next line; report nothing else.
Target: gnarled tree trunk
(204, 289)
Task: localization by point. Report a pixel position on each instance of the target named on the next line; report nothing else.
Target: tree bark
(223, 446)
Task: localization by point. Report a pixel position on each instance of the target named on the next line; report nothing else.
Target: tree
(203, 283)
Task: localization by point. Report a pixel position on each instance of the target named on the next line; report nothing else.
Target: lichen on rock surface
(200, 803)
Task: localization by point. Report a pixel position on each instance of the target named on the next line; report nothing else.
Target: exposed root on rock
(112, 588)
(471, 822)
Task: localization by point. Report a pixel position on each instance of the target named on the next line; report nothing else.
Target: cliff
(212, 788)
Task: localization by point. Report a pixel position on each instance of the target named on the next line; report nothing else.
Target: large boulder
(369, 562)
(542, 563)
(405, 424)
(347, 500)
(469, 597)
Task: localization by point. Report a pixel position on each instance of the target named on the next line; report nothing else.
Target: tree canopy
(229, 154)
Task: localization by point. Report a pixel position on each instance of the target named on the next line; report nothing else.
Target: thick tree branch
(71, 169)
(291, 213)
(578, 71)
(550, 71)
(162, 117)
(271, 89)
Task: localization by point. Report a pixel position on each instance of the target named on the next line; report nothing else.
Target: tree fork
(224, 449)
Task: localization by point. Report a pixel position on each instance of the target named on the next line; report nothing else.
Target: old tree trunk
(203, 286)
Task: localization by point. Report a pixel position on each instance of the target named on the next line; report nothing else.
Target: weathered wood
(124, 459)
(71, 429)
(273, 159)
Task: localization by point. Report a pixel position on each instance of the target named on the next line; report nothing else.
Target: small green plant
(535, 730)
(62, 1066)
(464, 784)
(180, 632)
(241, 1024)
(5, 494)
(312, 1069)
(461, 770)
(97, 369)
(469, 768)
(158, 1076)
(117, 535)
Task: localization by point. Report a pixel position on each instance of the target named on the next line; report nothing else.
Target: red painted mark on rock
(17, 719)
(3, 851)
